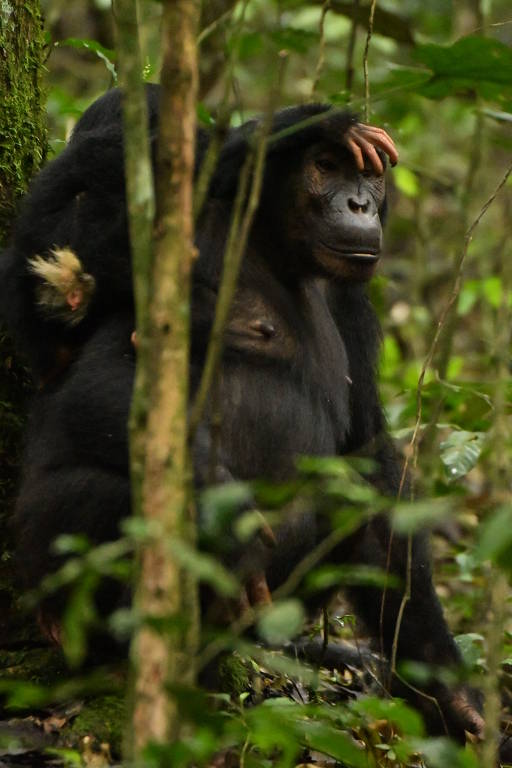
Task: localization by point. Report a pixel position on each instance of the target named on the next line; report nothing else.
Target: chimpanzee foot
(50, 628)
(257, 590)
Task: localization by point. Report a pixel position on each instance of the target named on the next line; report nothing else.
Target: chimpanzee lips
(360, 256)
(359, 252)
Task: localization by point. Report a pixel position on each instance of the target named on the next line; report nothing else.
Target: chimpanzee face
(339, 207)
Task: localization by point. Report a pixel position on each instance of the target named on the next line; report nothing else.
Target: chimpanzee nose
(358, 204)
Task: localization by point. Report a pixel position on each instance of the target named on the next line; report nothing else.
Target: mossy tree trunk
(22, 119)
(22, 150)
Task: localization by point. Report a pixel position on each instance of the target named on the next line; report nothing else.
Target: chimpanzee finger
(370, 152)
(356, 151)
(257, 590)
(379, 138)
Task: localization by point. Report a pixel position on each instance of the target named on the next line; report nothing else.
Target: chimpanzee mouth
(370, 255)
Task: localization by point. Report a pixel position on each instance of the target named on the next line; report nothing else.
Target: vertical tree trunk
(22, 149)
(165, 591)
(22, 122)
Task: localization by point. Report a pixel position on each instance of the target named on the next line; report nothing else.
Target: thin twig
(321, 49)
(365, 61)
(459, 266)
(223, 117)
(211, 28)
(349, 68)
(232, 262)
(235, 248)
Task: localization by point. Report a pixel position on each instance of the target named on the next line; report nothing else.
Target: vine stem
(365, 61)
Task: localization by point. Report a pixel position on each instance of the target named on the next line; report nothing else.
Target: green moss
(22, 121)
(234, 675)
(44, 666)
(103, 718)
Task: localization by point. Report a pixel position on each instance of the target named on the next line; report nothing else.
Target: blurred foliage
(441, 83)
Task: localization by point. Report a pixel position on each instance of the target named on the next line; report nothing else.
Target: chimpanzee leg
(422, 633)
(72, 500)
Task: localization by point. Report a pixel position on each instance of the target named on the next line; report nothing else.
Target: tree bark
(166, 595)
(22, 150)
(22, 118)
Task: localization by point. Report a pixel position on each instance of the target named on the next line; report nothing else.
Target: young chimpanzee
(298, 374)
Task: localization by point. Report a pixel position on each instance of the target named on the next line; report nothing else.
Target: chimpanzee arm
(93, 401)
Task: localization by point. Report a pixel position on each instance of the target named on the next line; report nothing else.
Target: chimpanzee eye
(325, 163)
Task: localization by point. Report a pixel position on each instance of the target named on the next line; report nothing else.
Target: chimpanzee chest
(288, 395)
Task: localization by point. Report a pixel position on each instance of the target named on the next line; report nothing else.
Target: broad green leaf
(205, 567)
(406, 181)
(471, 648)
(492, 289)
(408, 517)
(331, 741)
(249, 44)
(394, 710)
(444, 753)
(473, 58)
(460, 452)
(281, 621)
(79, 615)
(468, 296)
(496, 537)
(503, 117)
(298, 40)
(328, 576)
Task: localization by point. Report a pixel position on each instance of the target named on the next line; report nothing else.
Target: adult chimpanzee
(298, 373)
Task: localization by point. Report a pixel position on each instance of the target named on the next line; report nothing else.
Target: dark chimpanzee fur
(298, 372)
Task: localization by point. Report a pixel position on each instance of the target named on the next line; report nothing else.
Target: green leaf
(249, 45)
(492, 289)
(394, 710)
(496, 537)
(298, 40)
(107, 55)
(441, 752)
(205, 567)
(470, 646)
(468, 296)
(406, 181)
(408, 517)
(472, 59)
(502, 117)
(331, 741)
(281, 621)
(80, 614)
(328, 576)
(460, 452)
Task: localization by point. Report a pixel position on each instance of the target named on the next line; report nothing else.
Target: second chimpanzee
(298, 374)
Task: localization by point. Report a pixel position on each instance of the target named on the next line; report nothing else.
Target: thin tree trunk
(140, 201)
(165, 591)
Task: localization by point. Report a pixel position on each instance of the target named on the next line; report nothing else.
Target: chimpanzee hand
(362, 139)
